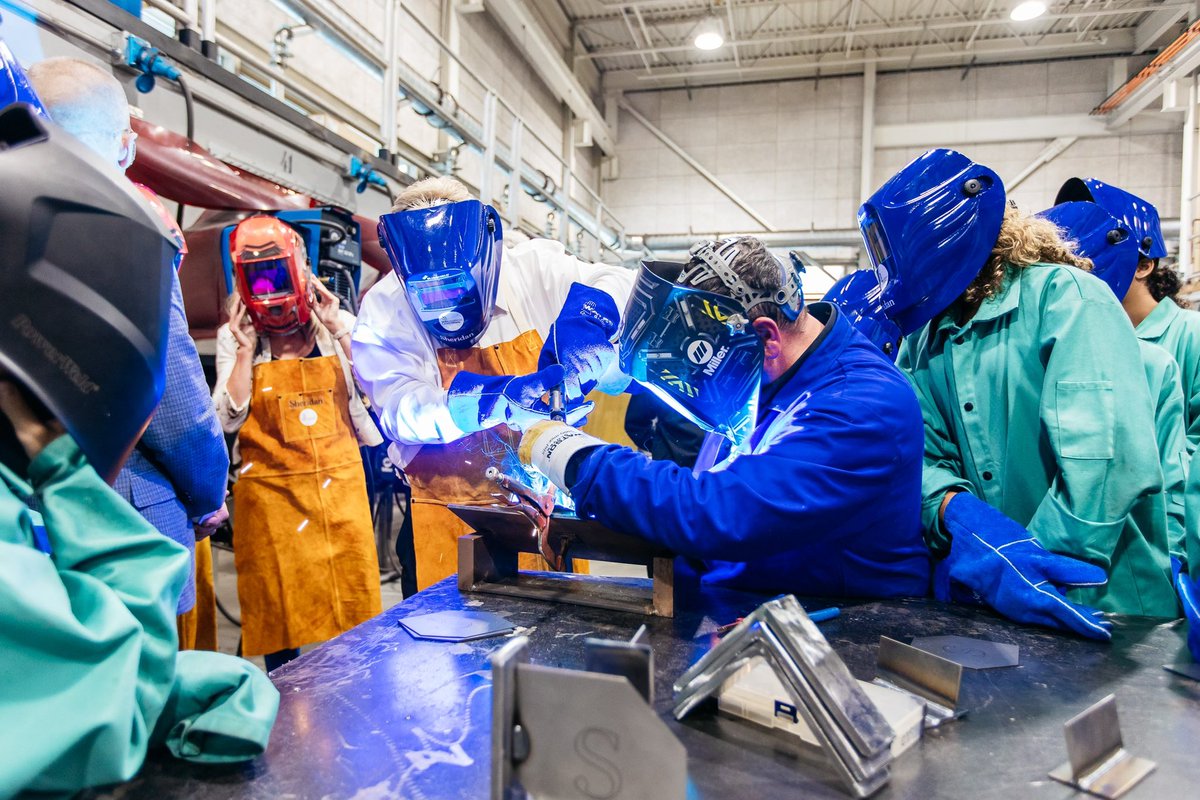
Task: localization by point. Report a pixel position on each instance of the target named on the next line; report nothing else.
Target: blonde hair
(431, 192)
(1023, 240)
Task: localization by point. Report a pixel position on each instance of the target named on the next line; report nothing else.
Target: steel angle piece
(933, 680)
(633, 659)
(1097, 761)
(561, 733)
(846, 723)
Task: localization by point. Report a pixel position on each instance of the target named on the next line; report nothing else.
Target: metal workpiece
(571, 733)
(1097, 761)
(928, 678)
(848, 726)
(487, 560)
(375, 713)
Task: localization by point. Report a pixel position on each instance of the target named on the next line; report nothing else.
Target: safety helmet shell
(1101, 237)
(272, 273)
(448, 258)
(929, 231)
(858, 296)
(1138, 215)
(91, 266)
(14, 84)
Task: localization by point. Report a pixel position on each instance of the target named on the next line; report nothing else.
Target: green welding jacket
(1192, 536)
(90, 676)
(1162, 378)
(1178, 332)
(1039, 406)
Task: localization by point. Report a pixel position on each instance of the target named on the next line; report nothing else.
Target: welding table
(375, 714)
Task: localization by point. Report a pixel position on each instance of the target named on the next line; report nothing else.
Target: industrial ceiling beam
(783, 67)
(516, 19)
(806, 35)
(1155, 25)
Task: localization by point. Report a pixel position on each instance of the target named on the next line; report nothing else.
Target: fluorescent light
(1030, 9)
(709, 35)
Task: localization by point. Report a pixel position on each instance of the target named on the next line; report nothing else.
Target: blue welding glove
(1189, 597)
(581, 340)
(478, 402)
(996, 562)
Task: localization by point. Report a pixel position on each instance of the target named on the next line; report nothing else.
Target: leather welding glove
(1189, 597)
(548, 446)
(581, 341)
(478, 402)
(996, 562)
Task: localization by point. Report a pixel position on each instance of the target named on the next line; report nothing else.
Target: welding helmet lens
(695, 350)
(269, 278)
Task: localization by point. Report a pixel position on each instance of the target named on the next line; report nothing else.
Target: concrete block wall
(792, 150)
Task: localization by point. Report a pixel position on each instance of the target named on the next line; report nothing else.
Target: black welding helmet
(85, 287)
(695, 349)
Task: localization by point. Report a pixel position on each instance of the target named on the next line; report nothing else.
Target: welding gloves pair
(581, 340)
(1188, 589)
(478, 402)
(996, 562)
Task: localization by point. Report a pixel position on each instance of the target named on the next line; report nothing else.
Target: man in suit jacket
(176, 477)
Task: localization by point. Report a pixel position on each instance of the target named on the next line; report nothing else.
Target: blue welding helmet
(696, 349)
(858, 296)
(14, 85)
(1139, 217)
(929, 231)
(1100, 236)
(448, 258)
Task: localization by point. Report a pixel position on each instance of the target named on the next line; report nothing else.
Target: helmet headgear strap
(716, 259)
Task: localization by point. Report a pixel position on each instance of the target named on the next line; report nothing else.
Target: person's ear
(1144, 268)
(772, 339)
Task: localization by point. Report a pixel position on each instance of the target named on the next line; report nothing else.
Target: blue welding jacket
(826, 502)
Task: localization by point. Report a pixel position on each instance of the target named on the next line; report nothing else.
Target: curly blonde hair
(1024, 240)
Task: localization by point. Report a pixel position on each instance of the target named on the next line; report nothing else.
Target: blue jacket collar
(813, 363)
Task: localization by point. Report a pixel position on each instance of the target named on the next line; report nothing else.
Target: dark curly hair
(1163, 281)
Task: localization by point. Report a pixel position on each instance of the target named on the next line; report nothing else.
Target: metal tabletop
(377, 714)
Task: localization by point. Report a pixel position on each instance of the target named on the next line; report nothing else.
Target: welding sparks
(267, 389)
(246, 468)
(303, 525)
(328, 481)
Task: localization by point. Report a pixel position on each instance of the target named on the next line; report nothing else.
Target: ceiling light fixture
(709, 34)
(1030, 9)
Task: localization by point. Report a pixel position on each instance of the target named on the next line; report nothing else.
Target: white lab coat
(395, 358)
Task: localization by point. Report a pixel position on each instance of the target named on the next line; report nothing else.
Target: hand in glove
(549, 447)
(995, 561)
(1189, 596)
(478, 402)
(581, 341)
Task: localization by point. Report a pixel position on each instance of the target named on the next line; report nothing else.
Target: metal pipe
(1187, 183)
(866, 183)
(171, 10)
(844, 237)
(208, 21)
(696, 165)
(387, 122)
(191, 10)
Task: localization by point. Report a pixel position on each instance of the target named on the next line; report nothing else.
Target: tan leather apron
(198, 627)
(303, 540)
(454, 473)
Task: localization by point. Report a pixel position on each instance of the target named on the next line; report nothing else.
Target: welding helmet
(82, 328)
(448, 258)
(929, 231)
(167, 220)
(1138, 216)
(14, 85)
(857, 295)
(695, 349)
(1103, 238)
(272, 273)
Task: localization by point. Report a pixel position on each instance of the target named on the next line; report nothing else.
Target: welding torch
(558, 408)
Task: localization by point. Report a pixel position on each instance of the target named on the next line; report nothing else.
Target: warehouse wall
(483, 47)
(792, 149)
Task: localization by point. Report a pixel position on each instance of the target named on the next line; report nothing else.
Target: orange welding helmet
(272, 273)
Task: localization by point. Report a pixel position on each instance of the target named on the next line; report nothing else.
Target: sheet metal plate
(970, 653)
(456, 626)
